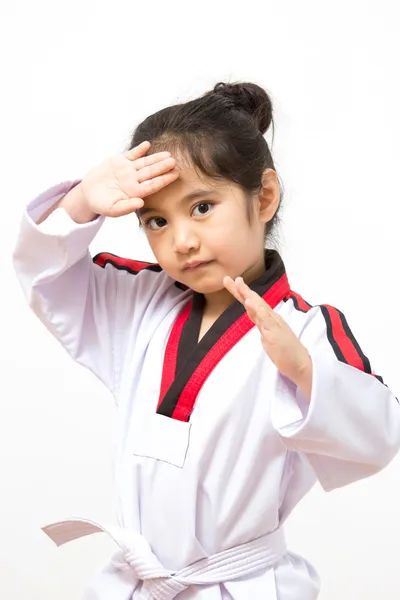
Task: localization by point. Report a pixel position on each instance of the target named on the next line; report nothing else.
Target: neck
(217, 302)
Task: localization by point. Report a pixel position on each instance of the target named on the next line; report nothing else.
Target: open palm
(118, 185)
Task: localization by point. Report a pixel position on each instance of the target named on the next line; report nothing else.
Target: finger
(138, 151)
(256, 303)
(259, 311)
(243, 288)
(146, 161)
(252, 313)
(247, 292)
(265, 319)
(151, 186)
(232, 288)
(252, 298)
(154, 170)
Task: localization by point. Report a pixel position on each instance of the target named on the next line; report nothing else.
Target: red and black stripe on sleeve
(299, 302)
(125, 264)
(339, 334)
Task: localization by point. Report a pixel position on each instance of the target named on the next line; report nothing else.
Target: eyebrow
(200, 193)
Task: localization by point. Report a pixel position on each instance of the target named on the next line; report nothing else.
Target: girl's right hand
(117, 186)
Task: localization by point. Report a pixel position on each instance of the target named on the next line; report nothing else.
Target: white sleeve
(74, 298)
(351, 427)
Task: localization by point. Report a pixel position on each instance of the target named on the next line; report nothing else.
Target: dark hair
(222, 134)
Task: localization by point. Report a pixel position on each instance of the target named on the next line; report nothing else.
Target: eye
(156, 223)
(203, 208)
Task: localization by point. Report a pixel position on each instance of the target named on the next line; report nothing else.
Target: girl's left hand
(279, 341)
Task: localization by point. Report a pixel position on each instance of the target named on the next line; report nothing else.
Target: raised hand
(118, 185)
(279, 341)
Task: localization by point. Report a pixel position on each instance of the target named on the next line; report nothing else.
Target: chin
(205, 281)
(203, 287)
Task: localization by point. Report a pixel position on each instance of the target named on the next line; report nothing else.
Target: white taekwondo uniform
(215, 446)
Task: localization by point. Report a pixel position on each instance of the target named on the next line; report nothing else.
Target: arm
(74, 299)
(73, 203)
(87, 307)
(349, 427)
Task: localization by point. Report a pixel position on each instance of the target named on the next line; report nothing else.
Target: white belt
(135, 555)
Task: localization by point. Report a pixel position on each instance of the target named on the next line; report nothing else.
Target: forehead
(190, 180)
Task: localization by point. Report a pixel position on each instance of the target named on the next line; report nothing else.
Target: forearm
(304, 381)
(350, 429)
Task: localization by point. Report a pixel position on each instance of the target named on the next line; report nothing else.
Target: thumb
(125, 207)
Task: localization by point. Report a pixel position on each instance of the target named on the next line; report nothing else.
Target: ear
(269, 197)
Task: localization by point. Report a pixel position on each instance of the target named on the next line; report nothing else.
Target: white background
(76, 78)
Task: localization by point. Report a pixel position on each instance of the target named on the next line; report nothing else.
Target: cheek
(161, 248)
(152, 242)
(233, 226)
(226, 219)
(156, 246)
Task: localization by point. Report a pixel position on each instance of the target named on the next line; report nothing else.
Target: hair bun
(251, 98)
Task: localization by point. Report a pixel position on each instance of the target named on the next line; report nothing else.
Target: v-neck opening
(189, 361)
(191, 330)
(190, 334)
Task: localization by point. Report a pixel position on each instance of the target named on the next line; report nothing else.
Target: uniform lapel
(187, 363)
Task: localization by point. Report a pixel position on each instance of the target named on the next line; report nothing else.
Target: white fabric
(253, 446)
(160, 584)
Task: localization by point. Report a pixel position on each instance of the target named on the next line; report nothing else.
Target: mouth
(196, 265)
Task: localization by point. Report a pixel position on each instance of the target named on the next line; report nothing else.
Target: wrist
(303, 379)
(75, 204)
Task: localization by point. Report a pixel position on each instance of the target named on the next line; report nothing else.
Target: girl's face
(194, 220)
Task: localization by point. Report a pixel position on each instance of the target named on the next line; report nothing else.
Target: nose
(185, 239)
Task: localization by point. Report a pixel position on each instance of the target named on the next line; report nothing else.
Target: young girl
(234, 394)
